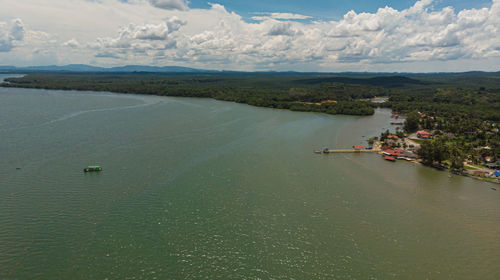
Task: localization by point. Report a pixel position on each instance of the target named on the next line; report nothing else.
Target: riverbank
(483, 179)
(294, 92)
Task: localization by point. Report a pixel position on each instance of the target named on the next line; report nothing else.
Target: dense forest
(462, 99)
(274, 91)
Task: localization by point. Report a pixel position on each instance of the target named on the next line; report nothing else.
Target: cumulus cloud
(217, 38)
(11, 34)
(149, 32)
(17, 30)
(142, 40)
(280, 16)
(170, 4)
(418, 33)
(73, 43)
(415, 34)
(283, 29)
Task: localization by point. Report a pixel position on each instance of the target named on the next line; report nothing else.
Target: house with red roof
(422, 134)
(393, 153)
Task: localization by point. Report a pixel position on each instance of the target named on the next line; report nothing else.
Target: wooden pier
(349, 151)
(355, 149)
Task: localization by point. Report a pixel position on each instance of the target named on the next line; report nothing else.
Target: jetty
(350, 151)
(355, 149)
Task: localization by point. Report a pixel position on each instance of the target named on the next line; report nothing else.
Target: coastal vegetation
(295, 93)
(462, 100)
(457, 142)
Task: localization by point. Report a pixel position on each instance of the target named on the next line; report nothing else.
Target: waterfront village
(433, 145)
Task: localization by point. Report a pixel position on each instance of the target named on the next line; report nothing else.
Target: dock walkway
(376, 149)
(350, 151)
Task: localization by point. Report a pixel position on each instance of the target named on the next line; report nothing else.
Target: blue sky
(328, 9)
(280, 35)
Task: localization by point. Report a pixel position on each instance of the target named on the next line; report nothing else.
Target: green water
(202, 189)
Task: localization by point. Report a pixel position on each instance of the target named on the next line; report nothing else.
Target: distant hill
(385, 81)
(89, 68)
(139, 68)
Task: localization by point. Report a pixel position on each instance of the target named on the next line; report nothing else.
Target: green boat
(94, 168)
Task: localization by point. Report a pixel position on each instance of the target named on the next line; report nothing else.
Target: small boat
(317, 152)
(93, 168)
(389, 158)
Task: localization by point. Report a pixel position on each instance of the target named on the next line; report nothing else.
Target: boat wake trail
(76, 114)
(79, 113)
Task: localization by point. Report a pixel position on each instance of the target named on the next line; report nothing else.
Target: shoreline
(274, 95)
(492, 180)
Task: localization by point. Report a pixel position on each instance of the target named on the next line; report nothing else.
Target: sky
(257, 35)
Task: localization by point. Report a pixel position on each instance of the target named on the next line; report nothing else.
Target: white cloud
(17, 30)
(11, 34)
(217, 38)
(170, 4)
(73, 43)
(283, 29)
(139, 40)
(280, 16)
(288, 16)
(151, 31)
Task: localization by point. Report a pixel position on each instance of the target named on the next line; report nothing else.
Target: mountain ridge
(90, 68)
(84, 68)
